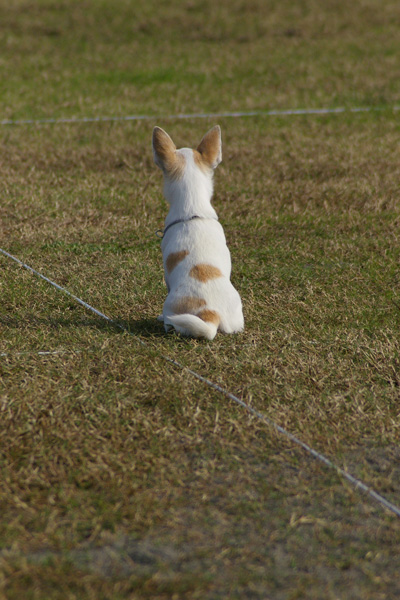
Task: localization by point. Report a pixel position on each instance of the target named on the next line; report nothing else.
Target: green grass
(122, 476)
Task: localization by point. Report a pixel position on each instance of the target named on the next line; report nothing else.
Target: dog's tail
(192, 326)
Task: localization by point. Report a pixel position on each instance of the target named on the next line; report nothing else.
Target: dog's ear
(164, 150)
(210, 147)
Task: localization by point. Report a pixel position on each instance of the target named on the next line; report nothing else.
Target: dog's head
(187, 168)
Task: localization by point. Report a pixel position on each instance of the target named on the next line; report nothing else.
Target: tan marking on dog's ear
(205, 272)
(209, 153)
(188, 304)
(165, 154)
(163, 145)
(200, 162)
(177, 169)
(209, 316)
(174, 259)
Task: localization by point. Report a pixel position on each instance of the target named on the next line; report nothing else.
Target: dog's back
(197, 264)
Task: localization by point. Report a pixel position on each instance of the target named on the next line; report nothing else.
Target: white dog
(197, 262)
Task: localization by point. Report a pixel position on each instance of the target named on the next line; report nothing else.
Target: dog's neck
(189, 195)
(161, 233)
(187, 213)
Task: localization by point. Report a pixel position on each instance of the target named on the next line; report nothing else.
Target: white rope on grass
(205, 115)
(357, 483)
(39, 353)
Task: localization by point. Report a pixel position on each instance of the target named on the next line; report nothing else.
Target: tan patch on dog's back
(204, 272)
(209, 316)
(174, 259)
(188, 305)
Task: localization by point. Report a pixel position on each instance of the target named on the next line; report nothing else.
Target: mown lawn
(122, 476)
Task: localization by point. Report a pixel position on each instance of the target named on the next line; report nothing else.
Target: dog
(197, 263)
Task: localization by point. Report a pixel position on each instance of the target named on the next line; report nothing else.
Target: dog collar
(160, 233)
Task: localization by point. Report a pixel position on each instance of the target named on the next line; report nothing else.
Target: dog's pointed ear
(210, 147)
(164, 149)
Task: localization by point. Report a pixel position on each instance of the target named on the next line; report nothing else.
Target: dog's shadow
(148, 328)
(154, 329)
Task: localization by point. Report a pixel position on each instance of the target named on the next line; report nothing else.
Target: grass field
(121, 475)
